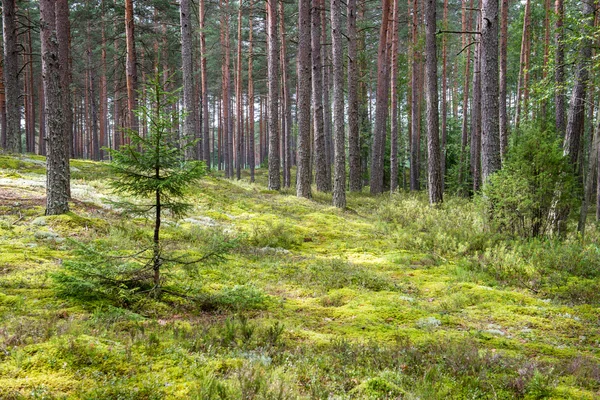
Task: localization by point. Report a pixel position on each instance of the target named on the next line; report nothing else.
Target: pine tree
(153, 170)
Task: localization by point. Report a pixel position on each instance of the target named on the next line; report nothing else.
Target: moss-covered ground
(388, 299)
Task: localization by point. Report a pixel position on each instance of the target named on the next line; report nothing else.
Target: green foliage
(535, 183)
(153, 167)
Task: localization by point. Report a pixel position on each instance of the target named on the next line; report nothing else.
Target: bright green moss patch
(389, 299)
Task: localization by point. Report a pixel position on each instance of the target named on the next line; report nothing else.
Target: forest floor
(388, 299)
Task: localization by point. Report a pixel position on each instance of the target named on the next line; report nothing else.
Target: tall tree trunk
(320, 149)
(415, 139)
(339, 182)
(117, 131)
(444, 98)
(576, 116)
(226, 135)
(57, 184)
(187, 66)
(238, 98)
(63, 35)
(502, 96)
(490, 128)
(523, 62)
(103, 94)
(466, 26)
(353, 78)
(379, 133)
(204, 79)
(544, 106)
(285, 102)
(11, 76)
(394, 95)
(131, 66)
(434, 174)
(303, 188)
(476, 118)
(273, 100)
(42, 112)
(251, 153)
(327, 127)
(559, 72)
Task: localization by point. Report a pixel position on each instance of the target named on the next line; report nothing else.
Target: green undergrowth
(388, 299)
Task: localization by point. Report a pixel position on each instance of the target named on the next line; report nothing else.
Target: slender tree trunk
(273, 87)
(544, 106)
(103, 94)
(434, 175)
(476, 119)
(503, 68)
(490, 127)
(11, 76)
(320, 149)
(224, 38)
(523, 62)
(394, 95)
(251, 153)
(131, 66)
(187, 66)
(379, 133)
(339, 183)
(63, 35)
(238, 97)
(353, 124)
(444, 98)
(42, 112)
(285, 102)
(466, 26)
(57, 184)
(559, 72)
(204, 79)
(327, 126)
(415, 140)
(303, 188)
(576, 116)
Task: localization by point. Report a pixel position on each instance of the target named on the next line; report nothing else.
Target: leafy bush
(534, 190)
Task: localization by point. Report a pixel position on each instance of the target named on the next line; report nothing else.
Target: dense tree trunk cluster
(311, 99)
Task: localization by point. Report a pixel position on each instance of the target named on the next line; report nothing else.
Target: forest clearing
(389, 299)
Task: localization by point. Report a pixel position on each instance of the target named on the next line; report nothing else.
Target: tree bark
(320, 149)
(187, 66)
(415, 139)
(379, 132)
(576, 116)
(204, 81)
(490, 128)
(522, 62)
(11, 76)
(339, 182)
(353, 124)
(327, 126)
(238, 98)
(251, 153)
(286, 109)
(133, 123)
(57, 183)
(502, 97)
(103, 94)
(444, 98)
(227, 136)
(434, 175)
(394, 95)
(273, 100)
(559, 72)
(466, 26)
(476, 119)
(303, 188)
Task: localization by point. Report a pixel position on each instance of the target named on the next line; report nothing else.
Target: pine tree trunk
(394, 95)
(466, 26)
(238, 99)
(502, 94)
(273, 99)
(490, 127)
(353, 125)
(320, 147)
(434, 175)
(444, 99)
(103, 95)
(57, 183)
(225, 134)
(415, 140)
(576, 116)
(303, 188)
(286, 132)
(522, 62)
(131, 67)
(327, 126)
(339, 182)
(379, 132)
(251, 152)
(544, 106)
(559, 72)
(187, 66)
(204, 79)
(11, 76)
(476, 119)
